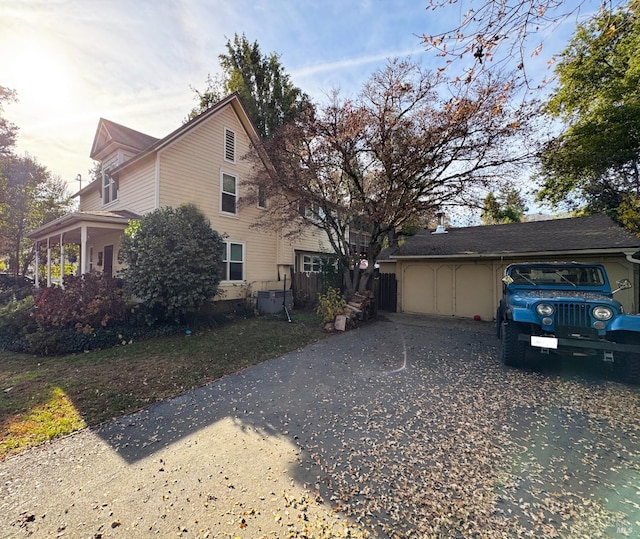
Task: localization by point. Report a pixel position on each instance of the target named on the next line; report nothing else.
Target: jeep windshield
(574, 276)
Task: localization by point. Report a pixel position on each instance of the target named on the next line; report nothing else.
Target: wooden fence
(307, 286)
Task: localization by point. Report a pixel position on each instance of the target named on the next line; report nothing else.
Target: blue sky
(133, 62)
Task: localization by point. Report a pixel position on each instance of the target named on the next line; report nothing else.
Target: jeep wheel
(512, 351)
(627, 367)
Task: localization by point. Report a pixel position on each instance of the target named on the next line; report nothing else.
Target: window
(109, 188)
(311, 263)
(233, 260)
(229, 145)
(229, 193)
(262, 197)
(359, 242)
(312, 211)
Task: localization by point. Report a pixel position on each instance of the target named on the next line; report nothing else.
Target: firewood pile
(357, 310)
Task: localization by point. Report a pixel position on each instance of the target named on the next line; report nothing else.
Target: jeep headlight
(602, 313)
(544, 309)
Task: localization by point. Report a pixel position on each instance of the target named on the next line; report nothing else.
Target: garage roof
(595, 233)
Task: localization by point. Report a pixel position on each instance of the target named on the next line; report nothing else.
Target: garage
(458, 271)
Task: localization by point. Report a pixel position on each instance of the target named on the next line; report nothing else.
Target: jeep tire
(499, 318)
(512, 351)
(627, 367)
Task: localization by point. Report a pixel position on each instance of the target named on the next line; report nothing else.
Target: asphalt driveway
(409, 427)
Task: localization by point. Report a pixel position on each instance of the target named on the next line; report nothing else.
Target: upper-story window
(312, 211)
(228, 193)
(229, 145)
(359, 241)
(109, 188)
(262, 197)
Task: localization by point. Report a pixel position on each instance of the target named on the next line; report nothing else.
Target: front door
(108, 260)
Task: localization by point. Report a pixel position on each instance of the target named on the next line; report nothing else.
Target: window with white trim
(233, 261)
(109, 188)
(311, 264)
(228, 193)
(229, 145)
(313, 211)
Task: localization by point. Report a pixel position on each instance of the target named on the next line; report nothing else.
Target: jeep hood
(526, 296)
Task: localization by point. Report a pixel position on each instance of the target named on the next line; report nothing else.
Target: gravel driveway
(409, 427)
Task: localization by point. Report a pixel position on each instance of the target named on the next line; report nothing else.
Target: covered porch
(97, 235)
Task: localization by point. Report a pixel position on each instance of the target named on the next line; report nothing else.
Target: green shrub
(330, 305)
(173, 262)
(51, 342)
(16, 323)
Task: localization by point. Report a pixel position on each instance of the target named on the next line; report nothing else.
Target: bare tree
(499, 34)
(404, 148)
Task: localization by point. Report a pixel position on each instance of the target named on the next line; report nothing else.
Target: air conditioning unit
(270, 301)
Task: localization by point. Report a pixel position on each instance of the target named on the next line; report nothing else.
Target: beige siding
(467, 289)
(92, 201)
(190, 172)
(136, 189)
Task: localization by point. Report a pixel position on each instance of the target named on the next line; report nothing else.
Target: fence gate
(386, 290)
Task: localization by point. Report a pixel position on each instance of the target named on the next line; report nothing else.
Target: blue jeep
(567, 308)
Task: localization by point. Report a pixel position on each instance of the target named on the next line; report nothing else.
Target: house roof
(74, 219)
(111, 134)
(595, 233)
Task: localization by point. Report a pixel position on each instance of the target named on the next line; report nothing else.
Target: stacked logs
(357, 310)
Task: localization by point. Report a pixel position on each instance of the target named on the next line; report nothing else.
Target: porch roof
(72, 220)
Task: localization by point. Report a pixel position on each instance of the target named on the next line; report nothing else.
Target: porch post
(48, 262)
(37, 276)
(83, 250)
(62, 264)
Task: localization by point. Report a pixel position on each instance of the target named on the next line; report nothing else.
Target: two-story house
(199, 163)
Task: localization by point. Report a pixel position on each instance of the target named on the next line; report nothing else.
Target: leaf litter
(453, 445)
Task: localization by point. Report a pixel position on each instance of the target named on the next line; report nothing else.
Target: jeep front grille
(573, 315)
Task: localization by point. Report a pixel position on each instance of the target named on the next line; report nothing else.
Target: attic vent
(440, 228)
(229, 145)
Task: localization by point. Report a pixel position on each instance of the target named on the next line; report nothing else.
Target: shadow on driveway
(409, 427)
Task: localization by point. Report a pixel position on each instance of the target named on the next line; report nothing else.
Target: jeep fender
(528, 316)
(625, 322)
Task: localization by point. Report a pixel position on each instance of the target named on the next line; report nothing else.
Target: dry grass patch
(44, 398)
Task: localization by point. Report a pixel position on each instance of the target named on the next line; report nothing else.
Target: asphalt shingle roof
(127, 136)
(595, 232)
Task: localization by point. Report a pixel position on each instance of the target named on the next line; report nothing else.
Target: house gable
(111, 137)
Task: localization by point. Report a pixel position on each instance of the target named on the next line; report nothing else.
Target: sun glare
(39, 73)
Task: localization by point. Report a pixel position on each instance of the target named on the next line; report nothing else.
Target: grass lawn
(44, 398)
